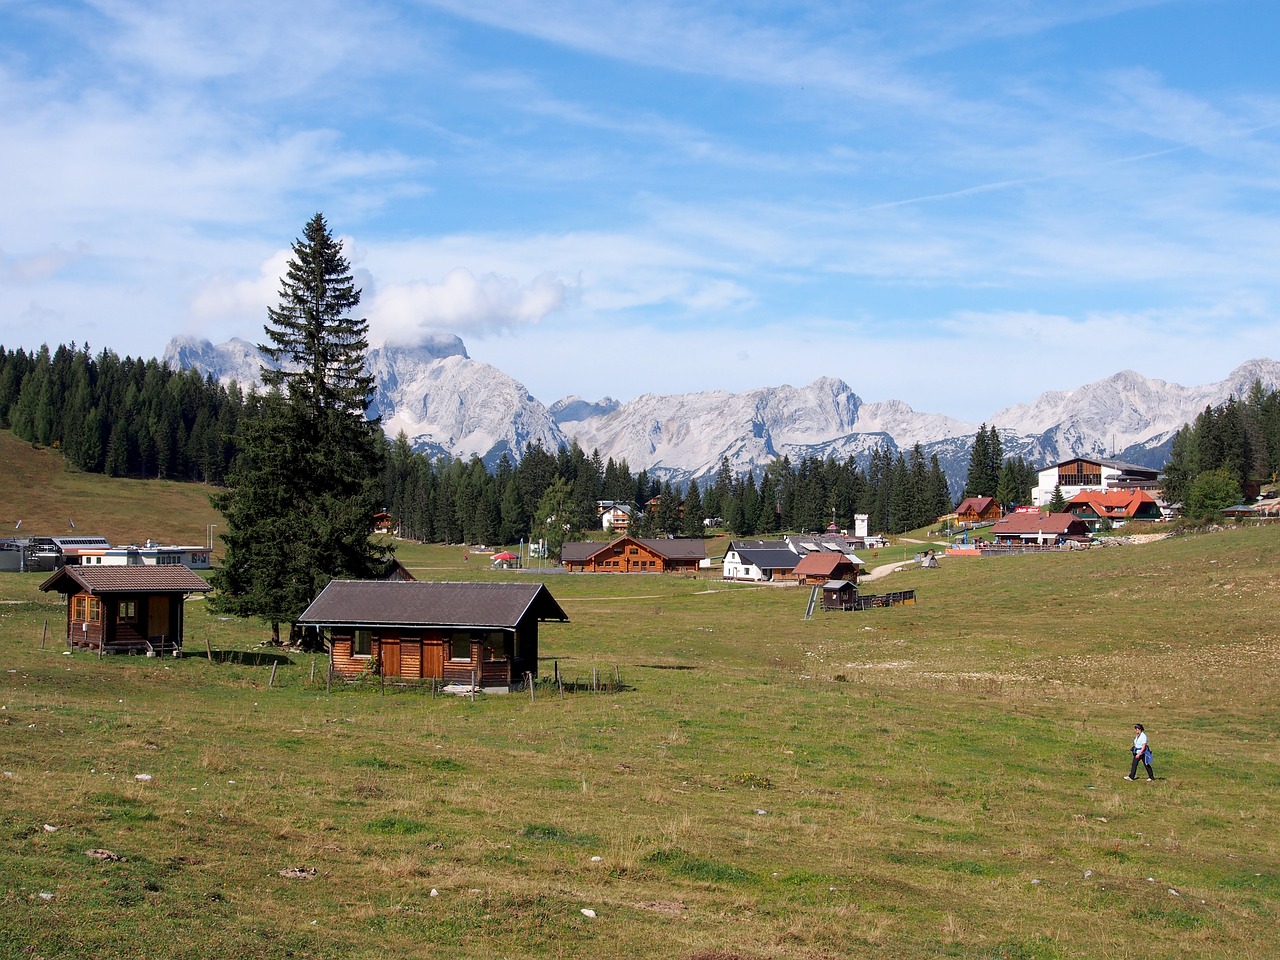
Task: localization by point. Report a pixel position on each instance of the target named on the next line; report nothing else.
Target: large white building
(1083, 473)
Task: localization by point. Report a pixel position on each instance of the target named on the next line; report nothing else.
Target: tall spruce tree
(299, 505)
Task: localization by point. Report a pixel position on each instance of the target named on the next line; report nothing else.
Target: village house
(633, 555)
(479, 634)
(823, 565)
(1097, 475)
(1115, 507)
(125, 609)
(1047, 529)
(761, 561)
(614, 516)
(974, 510)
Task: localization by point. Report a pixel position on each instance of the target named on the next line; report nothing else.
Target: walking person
(1141, 751)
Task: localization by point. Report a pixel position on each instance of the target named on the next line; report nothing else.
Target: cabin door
(158, 617)
(389, 655)
(432, 656)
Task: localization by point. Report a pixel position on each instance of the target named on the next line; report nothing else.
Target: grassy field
(37, 489)
(937, 780)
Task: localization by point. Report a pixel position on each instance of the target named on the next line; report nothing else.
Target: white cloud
(224, 298)
(462, 303)
(39, 266)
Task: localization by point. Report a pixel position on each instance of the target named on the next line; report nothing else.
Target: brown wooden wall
(426, 653)
(634, 558)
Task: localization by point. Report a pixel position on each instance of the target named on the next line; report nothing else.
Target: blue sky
(955, 204)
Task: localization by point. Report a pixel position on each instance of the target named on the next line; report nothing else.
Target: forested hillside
(139, 418)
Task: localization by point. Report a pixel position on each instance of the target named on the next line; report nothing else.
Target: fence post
(473, 686)
(44, 632)
(208, 650)
(272, 682)
(529, 680)
(312, 681)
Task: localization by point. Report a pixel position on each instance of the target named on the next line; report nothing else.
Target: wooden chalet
(125, 609)
(484, 634)
(633, 555)
(821, 566)
(1114, 507)
(978, 510)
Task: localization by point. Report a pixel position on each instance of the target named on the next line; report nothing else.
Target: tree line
(1225, 450)
(122, 417)
(139, 418)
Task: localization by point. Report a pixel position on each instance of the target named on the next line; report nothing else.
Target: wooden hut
(838, 595)
(125, 609)
(481, 633)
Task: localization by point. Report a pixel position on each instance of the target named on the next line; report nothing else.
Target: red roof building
(1113, 506)
(1040, 529)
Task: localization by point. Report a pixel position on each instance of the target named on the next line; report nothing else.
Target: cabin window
(632, 551)
(494, 645)
(460, 647)
(86, 608)
(128, 612)
(362, 643)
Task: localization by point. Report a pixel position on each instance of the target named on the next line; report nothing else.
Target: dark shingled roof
(767, 558)
(416, 602)
(125, 579)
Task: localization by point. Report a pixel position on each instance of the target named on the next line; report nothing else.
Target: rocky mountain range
(447, 403)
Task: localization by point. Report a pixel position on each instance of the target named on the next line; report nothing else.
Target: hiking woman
(1141, 751)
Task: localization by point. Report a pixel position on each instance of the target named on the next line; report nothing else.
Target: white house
(760, 560)
(1082, 473)
(616, 517)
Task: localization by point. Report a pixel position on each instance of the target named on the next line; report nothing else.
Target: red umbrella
(505, 555)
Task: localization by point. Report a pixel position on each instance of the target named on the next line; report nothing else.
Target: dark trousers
(1133, 768)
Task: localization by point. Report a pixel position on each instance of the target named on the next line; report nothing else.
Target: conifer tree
(300, 504)
(691, 524)
(1057, 502)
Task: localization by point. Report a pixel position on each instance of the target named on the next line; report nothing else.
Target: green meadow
(936, 780)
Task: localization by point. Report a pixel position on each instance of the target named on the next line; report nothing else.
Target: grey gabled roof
(125, 579)
(767, 558)
(388, 603)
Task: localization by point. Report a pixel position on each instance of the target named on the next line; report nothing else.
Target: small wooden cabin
(838, 595)
(125, 609)
(486, 633)
(632, 555)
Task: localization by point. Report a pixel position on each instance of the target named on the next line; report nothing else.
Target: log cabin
(633, 555)
(125, 609)
(484, 634)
